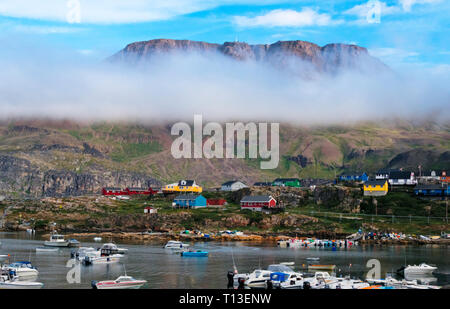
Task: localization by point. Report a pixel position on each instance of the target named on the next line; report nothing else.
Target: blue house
(189, 201)
(430, 190)
(354, 177)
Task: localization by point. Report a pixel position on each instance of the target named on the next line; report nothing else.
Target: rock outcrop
(290, 55)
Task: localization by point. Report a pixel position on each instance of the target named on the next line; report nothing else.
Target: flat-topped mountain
(329, 58)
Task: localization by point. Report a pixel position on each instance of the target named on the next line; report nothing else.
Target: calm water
(162, 269)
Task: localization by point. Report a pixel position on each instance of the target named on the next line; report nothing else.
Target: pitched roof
(186, 197)
(400, 175)
(229, 183)
(256, 198)
(429, 187)
(286, 179)
(186, 182)
(375, 182)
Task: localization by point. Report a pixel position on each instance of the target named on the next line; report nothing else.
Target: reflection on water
(163, 269)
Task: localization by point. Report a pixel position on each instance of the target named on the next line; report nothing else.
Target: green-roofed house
(287, 182)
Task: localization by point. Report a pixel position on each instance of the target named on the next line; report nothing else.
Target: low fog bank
(175, 87)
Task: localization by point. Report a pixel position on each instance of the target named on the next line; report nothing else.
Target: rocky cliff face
(330, 58)
(20, 176)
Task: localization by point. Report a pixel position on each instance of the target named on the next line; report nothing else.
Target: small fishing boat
(288, 263)
(46, 249)
(122, 282)
(176, 245)
(11, 282)
(313, 259)
(74, 243)
(421, 269)
(113, 248)
(321, 267)
(90, 259)
(56, 240)
(23, 270)
(97, 239)
(198, 253)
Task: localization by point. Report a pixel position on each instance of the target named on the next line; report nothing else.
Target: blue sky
(405, 32)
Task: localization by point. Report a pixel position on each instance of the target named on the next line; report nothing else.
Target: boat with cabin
(122, 282)
(56, 240)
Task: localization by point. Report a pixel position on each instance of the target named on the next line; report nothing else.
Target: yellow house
(376, 187)
(182, 186)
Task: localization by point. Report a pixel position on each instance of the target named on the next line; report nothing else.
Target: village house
(287, 182)
(112, 191)
(182, 186)
(143, 191)
(354, 177)
(216, 202)
(189, 201)
(384, 173)
(429, 176)
(444, 177)
(233, 185)
(431, 190)
(258, 202)
(376, 187)
(402, 178)
(150, 210)
(262, 184)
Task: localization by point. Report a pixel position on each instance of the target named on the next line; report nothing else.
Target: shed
(233, 185)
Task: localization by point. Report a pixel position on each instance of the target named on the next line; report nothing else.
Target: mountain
(330, 58)
(60, 158)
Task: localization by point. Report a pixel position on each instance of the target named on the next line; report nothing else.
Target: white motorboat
(8, 282)
(23, 270)
(82, 252)
(46, 249)
(114, 249)
(417, 270)
(258, 278)
(97, 239)
(56, 240)
(102, 256)
(176, 245)
(122, 282)
(401, 284)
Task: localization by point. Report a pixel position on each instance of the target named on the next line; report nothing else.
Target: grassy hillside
(305, 152)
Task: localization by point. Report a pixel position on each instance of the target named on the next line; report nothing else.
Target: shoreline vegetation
(327, 212)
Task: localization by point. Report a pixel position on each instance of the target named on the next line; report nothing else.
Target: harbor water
(163, 269)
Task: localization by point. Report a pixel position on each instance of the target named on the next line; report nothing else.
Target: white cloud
(112, 11)
(407, 4)
(362, 10)
(394, 56)
(286, 18)
(46, 29)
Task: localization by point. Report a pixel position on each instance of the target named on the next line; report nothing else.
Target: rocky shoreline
(272, 238)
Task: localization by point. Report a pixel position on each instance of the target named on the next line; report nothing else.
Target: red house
(113, 191)
(444, 177)
(258, 202)
(215, 202)
(133, 191)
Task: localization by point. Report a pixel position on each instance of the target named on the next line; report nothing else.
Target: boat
(97, 239)
(122, 282)
(259, 277)
(56, 240)
(8, 281)
(74, 243)
(82, 252)
(280, 280)
(23, 270)
(401, 284)
(197, 253)
(313, 259)
(3, 257)
(421, 269)
(288, 263)
(321, 267)
(103, 256)
(46, 249)
(114, 249)
(176, 245)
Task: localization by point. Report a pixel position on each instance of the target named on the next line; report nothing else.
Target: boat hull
(56, 243)
(21, 285)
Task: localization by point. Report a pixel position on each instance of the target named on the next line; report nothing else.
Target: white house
(233, 185)
(402, 178)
